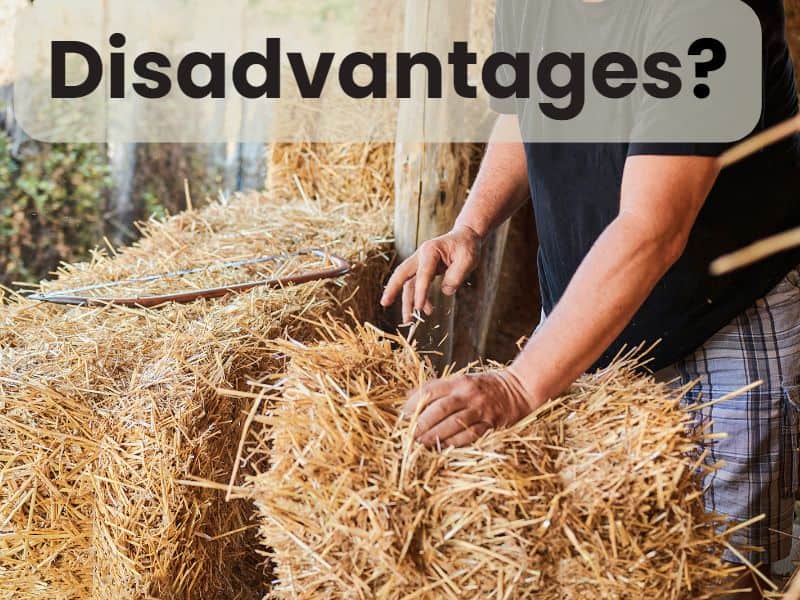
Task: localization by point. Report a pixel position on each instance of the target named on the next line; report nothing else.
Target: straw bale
(320, 162)
(108, 415)
(631, 505)
(596, 496)
(355, 173)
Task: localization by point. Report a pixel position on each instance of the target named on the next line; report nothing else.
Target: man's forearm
(661, 198)
(660, 205)
(501, 186)
(608, 289)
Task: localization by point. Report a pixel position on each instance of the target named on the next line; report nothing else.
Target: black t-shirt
(576, 195)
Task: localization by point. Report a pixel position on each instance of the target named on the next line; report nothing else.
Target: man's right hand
(455, 255)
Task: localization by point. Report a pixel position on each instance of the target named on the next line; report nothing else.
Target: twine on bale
(594, 496)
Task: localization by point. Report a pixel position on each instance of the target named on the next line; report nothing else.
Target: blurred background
(58, 201)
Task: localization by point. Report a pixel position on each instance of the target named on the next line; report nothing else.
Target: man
(627, 233)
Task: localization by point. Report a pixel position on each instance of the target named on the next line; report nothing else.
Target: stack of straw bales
(111, 418)
(593, 497)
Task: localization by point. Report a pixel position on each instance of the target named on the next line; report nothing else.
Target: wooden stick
(188, 195)
(759, 142)
(774, 244)
(756, 252)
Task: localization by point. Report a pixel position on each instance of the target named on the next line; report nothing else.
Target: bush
(52, 199)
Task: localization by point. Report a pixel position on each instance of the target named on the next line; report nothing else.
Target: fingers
(408, 301)
(428, 266)
(468, 436)
(451, 415)
(451, 426)
(437, 411)
(412, 280)
(402, 274)
(429, 392)
(457, 273)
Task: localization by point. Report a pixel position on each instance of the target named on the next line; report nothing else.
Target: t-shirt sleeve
(677, 149)
(653, 115)
(506, 39)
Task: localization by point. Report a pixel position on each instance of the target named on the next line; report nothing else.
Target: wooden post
(123, 207)
(500, 301)
(431, 180)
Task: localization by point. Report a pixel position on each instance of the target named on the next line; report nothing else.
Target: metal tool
(75, 296)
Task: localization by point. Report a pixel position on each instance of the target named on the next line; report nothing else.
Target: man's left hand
(459, 410)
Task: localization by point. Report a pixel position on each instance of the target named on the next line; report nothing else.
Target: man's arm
(661, 198)
(499, 190)
(501, 186)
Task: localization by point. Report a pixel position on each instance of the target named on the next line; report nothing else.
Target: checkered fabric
(759, 458)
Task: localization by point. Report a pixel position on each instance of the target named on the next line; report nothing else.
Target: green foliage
(52, 199)
(160, 173)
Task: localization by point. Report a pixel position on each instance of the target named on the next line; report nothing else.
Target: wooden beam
(427, 182)
(500, 301)
(431, 180)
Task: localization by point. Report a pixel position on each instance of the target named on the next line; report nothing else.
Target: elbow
(663, 243)
(673, 246)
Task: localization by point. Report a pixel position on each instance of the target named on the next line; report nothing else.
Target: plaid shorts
(759, 472)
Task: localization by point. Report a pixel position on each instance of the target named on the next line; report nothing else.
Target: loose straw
(188, 195)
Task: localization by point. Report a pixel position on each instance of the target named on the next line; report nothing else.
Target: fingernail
(448, 291)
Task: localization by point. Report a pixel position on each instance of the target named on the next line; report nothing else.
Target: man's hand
(455, 255)
(500, 188)
(459, 410)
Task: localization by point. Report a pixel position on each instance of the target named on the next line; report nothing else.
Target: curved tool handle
(72, 297)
